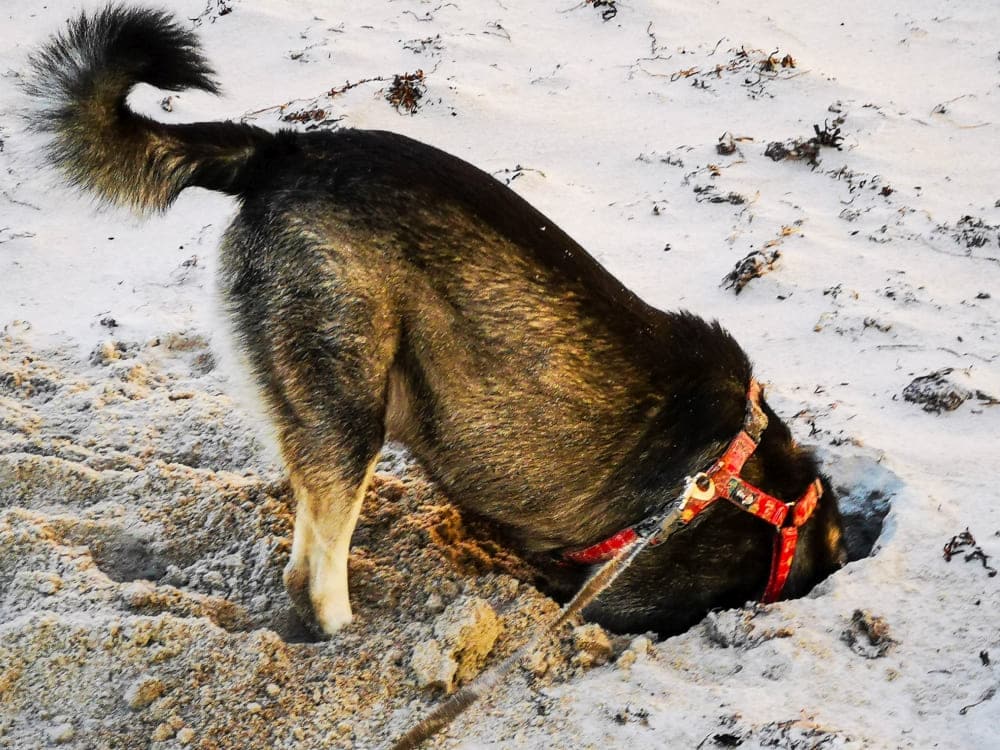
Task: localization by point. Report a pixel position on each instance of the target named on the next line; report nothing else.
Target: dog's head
(724, 558)
(783, 468)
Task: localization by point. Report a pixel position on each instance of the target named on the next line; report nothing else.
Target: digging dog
(381, 288)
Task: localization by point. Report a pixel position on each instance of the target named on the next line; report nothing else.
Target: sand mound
(142, 538)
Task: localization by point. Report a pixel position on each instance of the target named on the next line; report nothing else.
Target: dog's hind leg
(327, 508)
(333, 386)
(321, 345)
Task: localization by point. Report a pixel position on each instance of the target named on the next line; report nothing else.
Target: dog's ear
(830, 534)
(821, 550)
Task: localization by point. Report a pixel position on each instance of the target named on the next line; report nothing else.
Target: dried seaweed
(808, 150)
(406, 91)
(935, 393)
(608, 8)
(867, 635)
(965, 544)
(750, 267)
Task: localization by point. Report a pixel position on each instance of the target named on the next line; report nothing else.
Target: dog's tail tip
(80, 80)
(130, 43)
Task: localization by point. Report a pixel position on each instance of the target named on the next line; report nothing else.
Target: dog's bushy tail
(81, 79)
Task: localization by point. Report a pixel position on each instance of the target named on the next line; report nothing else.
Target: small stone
(626, 660)
(538, 663)
(592, 644)
(344, 727)
(464, 636)
(143, 691)
(254, 708)
(61, 733)
(432, 667)
(162, 732)
(434, 603)
(272, 689)
(185, 735)
(641, 645)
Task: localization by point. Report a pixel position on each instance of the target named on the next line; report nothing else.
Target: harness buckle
(702, 487)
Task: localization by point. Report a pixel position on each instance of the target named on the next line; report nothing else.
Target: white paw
(328, 591)
(331, 616)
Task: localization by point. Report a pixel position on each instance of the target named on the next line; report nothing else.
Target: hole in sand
(865, 489)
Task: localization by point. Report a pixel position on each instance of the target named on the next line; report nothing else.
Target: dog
(381, 288)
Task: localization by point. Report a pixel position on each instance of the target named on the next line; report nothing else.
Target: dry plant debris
(406, 91)
(760, 69)
(726, 144)
(608, 8)
(307, 116)
(988, 694)
(802, 733)
(964, 544)
(972, 233)
(807, 150)
(757, 262)
(868, 635)
(936, 393)
(751, 266)
(214, 10)
(508, 175)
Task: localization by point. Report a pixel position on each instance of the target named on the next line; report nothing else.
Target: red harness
(723, 481)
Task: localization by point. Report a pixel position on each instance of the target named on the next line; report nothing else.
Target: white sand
(615, 124)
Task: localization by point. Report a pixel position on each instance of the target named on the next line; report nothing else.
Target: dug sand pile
(142, 538)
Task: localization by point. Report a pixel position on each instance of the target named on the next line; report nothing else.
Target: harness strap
(786, 540)
(723, 481)
(605, 550)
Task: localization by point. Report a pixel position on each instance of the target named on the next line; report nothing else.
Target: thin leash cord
(448, 711)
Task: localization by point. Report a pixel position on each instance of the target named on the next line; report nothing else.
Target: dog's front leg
(326, 513)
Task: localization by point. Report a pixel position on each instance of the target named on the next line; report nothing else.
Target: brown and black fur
(382, 288)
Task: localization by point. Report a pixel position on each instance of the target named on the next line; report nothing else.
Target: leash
(616, 553)
(657, 527)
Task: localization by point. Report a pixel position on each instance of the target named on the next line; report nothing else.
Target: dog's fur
(380, 287)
